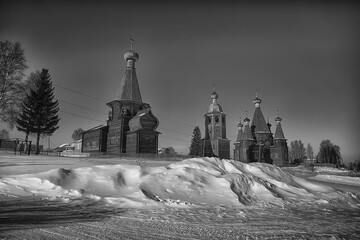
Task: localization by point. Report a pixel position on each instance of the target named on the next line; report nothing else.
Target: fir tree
(195, 147)
(39, 109)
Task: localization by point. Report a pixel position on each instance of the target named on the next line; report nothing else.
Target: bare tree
(4, 134)
(309, 151)
(77, 134)
(12, 66)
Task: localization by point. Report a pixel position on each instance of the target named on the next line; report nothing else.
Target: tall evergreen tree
(195, 147)
(39, 109)
(24, 121)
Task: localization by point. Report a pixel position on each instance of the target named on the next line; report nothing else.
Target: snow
(340, 179)
(198, 198)
(195, 182)
(329, 170)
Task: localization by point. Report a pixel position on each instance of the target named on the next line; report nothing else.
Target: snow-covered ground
(204, 198)
(330, 170)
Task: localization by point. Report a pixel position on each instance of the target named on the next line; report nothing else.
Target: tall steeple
(240, 131)
(129, 86)
(247, 132)
(215, 142)
(279, 134)
(258, 123)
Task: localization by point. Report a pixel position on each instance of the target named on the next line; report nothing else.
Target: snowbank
(190, 183)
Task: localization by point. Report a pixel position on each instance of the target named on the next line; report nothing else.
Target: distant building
(167, 150)
(131, 126)
(256, 143)
(215, 143)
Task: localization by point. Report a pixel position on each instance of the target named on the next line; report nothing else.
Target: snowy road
(54, 220)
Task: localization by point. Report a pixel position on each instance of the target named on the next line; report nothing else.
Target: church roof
(279, 134)
(240, 135)
(144, 119)
(259, 121)
(247, 133)
(129, 86)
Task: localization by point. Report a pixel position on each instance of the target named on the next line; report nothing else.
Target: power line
(74, 114)
(167, 130)
(186, 124)
(84, 94)
(80, 106)
(175, 139)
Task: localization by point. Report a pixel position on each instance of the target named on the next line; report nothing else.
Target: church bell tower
(215, 143)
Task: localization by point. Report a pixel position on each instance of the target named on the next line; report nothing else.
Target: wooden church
(215, 143)
(131, 126)
(256, 142)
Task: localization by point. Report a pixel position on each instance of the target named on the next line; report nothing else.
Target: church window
(216, 119)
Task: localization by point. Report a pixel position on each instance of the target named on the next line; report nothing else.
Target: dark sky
(303, 59)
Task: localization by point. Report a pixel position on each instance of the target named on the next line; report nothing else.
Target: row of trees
(30, 104)
(355, 165)
(328, 152)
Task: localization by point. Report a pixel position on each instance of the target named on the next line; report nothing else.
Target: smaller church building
(256, 143)
(215, 143)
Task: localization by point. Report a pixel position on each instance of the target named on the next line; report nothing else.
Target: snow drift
(193, 182)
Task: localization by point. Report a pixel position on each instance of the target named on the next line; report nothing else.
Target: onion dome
(246, 121)
(214, 95)
(131, 55)
(240, 132)
(247, 132)
(214, 106)
(268, 123)
(257, 101)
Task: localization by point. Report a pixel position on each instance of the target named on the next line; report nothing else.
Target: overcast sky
(303, 59)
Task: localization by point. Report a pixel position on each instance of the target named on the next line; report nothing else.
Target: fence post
(15, 147)
(29, 150)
